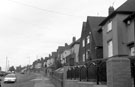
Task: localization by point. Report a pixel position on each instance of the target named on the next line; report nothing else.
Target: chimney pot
(66, 44)
(74, 39)
(111, 9)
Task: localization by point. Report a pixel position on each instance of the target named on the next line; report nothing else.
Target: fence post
(118, 72)
(97, 74)
(65, 75)
(80, 77)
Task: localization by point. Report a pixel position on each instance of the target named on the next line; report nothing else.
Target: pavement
(42, 81)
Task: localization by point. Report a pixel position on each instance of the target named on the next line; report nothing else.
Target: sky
(31, 29)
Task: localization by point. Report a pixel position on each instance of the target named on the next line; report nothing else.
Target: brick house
(91, 40)
(118, 32)
(82, 42)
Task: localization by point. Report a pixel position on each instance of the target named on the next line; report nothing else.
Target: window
(132, 51)
(83, 43)
(87, 55)
(110, 48)
(77, 60)
(109, 26)
(128, 22)
(88, 39)
(83, 57)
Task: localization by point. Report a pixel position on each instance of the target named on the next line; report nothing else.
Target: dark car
(2, 73)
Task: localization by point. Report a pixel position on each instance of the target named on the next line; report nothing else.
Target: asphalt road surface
(23, 80)
(28, 80)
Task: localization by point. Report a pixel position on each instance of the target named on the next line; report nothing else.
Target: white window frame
(88, 39)
(132, 51)
(86, 54)
(109, 26)
(83, 57)
(110, 48)
(83, 43)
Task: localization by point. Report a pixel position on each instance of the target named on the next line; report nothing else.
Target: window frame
(83, 57)
(110, 48)
(87, 55)
(109, 26)
(130, 46)
(83, 43)
(132, 51)
(88, 39)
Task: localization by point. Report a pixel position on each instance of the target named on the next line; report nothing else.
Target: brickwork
(118, 72)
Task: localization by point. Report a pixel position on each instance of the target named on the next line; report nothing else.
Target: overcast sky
(31, 28)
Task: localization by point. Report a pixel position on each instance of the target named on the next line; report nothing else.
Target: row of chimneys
(73, 40)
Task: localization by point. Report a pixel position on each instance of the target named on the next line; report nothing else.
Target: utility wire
(42, 9)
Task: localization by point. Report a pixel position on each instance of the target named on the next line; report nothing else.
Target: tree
(18, 68)
(11, 68)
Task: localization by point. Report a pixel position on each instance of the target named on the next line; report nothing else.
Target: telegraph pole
(6, 64)
(29, 60)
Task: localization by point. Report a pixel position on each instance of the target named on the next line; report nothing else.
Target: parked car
(10, 78)
(2, 73)
(22, 72)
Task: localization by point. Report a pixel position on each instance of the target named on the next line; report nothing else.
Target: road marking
(36, 79)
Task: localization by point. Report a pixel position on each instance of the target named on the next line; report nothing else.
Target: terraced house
(91, 40)
(64, 54)
(73, 58)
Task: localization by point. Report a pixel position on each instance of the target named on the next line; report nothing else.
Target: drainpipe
(134, 37)
(134, 55)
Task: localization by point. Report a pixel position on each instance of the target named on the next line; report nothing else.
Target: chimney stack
(111, 10)
(74, 39)
(66, 44)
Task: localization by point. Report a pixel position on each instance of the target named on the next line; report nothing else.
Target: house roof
(129, 5)
(126, 8)
(54, 54)
(83, 27)
(94, 26)
(60, 49)
(130, 17)
(76, 42)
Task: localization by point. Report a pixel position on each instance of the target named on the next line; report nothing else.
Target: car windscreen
(10, 75)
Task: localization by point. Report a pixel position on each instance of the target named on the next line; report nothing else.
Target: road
(23, 80)
(28, 80)
(42, 81)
